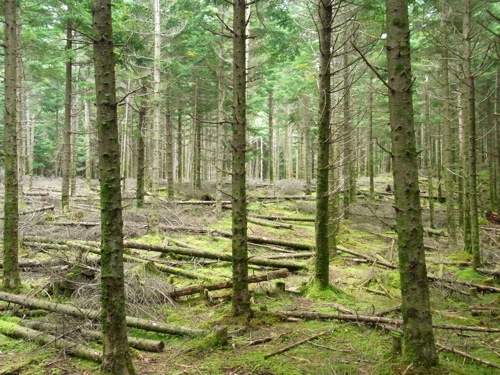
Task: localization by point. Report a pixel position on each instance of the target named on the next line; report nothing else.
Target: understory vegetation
(295, 329)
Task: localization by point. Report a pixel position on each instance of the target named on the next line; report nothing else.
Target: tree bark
(140, 190)
(11, 279)
(68, 102)
(241, 295)
(418, 338)
(471, 125)
(117, 359)
(448, 132)
(322, 276)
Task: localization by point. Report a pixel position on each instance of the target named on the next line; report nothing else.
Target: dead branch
(295, 344)
(268, 223)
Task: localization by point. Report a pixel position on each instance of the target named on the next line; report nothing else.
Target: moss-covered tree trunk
(68, 102)
(117, 360)
(180, 148)
(418, 338)
(139, 190)
(241, 297)
(470, 120)
(197, 140)
(427, 143)
(321, 275)
(11, 280)
(371, 164)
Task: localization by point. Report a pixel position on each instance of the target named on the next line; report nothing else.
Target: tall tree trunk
(371, 169)
(11, 280)
(348, 162)
(169, 134)
(196, 140)
(497, 141)
(88, 154)
(66, 151)
(241, 296)
(418, 338)
(141, 126)
(322, 275)
(180, 148)
(156, 152)
(270, 146)
(471, 126)
(74, 139)
(117, 359)
(219, 146)
(448, 132)
(427, 144)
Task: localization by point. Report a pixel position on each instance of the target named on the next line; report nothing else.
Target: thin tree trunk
(88, 154)
(427, 144)
(471, 125)
(66, 151)
(141, 125)
(448, 133)
(156, 152)
(196, 141)
(169, 134)
(180, 148)
(418, 337)
(371, 171)
(11, 280)
(322, 266)
(270, 146)
(241, 296)
(117, 359)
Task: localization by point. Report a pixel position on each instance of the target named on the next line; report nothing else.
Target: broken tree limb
(94, 315)
(41, 209)
(212, 255)
(78, 350)
(370, 258)
(292, 256)
(466, 355)
(253, 239)
(286, 218)
(268, 223)
(282, 198)
(483, 288)
(86, 224)
(33, 263)
(280, 274)
(159, 266)
(295, 344)
(376, 320)
(134, 342)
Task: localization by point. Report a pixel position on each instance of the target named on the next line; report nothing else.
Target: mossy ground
(364, 288)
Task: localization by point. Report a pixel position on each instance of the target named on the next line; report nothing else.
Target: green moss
(469, 275)
(314, 292)
(461, 256)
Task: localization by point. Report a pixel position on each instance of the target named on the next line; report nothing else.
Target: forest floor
(282, 337)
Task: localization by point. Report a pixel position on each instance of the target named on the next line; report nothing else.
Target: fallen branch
(78, 350)
(94, 315)
(377, 320)
(254, 239)
(41, 209)
(268, 223)
(295, 344)
(286, 218)
(466, 355)
(227, 284)
(259, 341)
(364, 256)
(484, 288)
(75, 223)
(134, 342)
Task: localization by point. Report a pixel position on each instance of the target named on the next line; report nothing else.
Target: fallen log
(78, 350)
(377, 320)
(134, 342)
(94, 315)
(286, 218)
(41, 209)
(33, 263)
(189, 290)
(466, 355)
(282, 198)
(367, 257)
(159, 266)
(76, 223)
(253, 239)
(212, 255)
(268, 223)
(478, 287)
(291, 256)
(295, 344)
